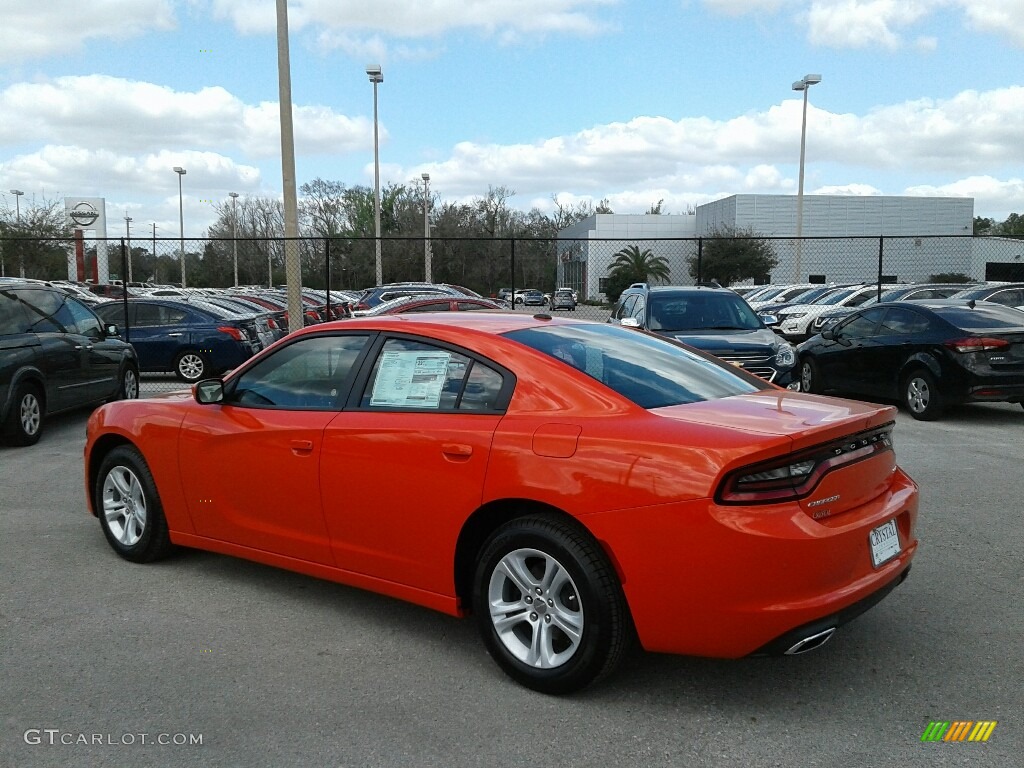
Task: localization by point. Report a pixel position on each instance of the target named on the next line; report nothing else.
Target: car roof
(473, 323)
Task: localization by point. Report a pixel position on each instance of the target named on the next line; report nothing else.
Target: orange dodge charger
(574, 485)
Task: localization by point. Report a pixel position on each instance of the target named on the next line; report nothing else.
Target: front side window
(312, 373)
(863, 325)
(648, 370)
(414, 375)
(85, 322)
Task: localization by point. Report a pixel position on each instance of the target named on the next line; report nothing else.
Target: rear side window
(648, 370)
(158, 314)
(12, 314)
(415, 375)
(46, 311)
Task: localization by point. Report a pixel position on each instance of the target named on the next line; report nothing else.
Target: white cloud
(423, 18)
(1003, 17)
(862, 23)
(39, 29)
(81, 110)
(743, 7)
(992, 197)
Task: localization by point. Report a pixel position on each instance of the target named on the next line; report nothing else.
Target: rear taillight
(362, 305)
(976, 344)
(797, 475)
(234, 333)
(271, 323)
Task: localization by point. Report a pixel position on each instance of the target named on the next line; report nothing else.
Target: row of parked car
(928, 345)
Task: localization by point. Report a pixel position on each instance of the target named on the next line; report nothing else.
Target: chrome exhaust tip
(811, 642)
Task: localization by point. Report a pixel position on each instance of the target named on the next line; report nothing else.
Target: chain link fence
(488, 265)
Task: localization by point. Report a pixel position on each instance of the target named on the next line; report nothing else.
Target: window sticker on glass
(410, 379)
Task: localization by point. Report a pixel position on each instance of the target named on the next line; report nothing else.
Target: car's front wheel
(190, 366)
(126, 499)
(920, 395)
(25, 418)
(549, 605)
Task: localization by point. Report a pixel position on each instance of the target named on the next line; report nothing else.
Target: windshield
(701, 312)
(835, 298)
(650, 371)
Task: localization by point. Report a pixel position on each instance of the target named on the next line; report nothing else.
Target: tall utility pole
(17, 206)
(376, 77)
(156, 264)
(426, 227)
(128, 235)
(292, 266)
(181, 224)
(234, 232)
(802, 85)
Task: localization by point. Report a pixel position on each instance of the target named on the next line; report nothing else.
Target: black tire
(128, 384)
(24, 424)
(129, 508)
(920, 395)
(191, 366)
(563, 582)
(810, 376)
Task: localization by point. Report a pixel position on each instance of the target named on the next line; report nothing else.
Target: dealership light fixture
(804, 85)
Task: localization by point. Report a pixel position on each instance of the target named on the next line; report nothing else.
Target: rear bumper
(727, 582)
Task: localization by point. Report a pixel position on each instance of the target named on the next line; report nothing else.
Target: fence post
(327, 267)
(881, 255)
(700, 256)
(124, 295)
(512, 279)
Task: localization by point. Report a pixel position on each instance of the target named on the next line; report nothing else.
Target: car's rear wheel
(25, 419)
(128, 389)
(126, 499)
(810, 378)
(920, 395)
(550, 608)
(190, 366)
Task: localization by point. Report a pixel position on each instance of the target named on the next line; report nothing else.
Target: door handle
(174, 335)
(457, 450)
(81, 346)
(302, 447)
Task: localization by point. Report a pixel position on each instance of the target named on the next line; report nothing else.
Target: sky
(635, 101)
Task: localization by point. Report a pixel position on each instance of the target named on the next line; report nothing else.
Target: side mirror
(829, 334)
(209, 391)
(629, 322)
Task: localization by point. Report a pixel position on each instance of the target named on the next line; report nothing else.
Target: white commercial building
(845, 238)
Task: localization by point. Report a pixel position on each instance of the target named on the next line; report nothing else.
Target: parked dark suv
(715, 320)
(55, 355)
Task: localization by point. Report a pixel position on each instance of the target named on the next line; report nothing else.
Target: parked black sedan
(927, 354)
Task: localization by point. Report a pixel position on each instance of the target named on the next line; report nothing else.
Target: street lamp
(376, 77)
(17, 207)
(426, 227)
(128, 234)
(234, 232)
(181, 224)
(802, 85)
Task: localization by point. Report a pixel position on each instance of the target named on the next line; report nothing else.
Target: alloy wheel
(124, 505)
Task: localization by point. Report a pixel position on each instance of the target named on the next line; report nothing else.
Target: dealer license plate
(885, 543)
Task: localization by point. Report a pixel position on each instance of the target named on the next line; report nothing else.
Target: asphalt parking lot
(269, 668)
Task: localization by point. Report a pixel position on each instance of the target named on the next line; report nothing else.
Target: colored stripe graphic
(959, 730)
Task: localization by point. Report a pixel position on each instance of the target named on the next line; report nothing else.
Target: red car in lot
(572, 484)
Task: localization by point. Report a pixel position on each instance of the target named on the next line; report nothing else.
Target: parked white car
(796, 322)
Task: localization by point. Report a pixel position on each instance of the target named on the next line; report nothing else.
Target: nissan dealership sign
(83, 214)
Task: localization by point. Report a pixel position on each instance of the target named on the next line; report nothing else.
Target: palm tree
(639, 266)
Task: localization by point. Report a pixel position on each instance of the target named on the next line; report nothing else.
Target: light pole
(802, 85)
(17, 207)
(376, 77)
(234, 232)
(426, 227)
(128, 234)
(181, 224)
